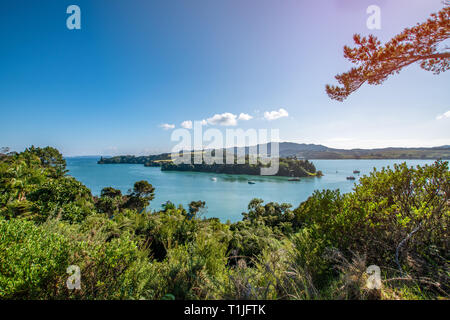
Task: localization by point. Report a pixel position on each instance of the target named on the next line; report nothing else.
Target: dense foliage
(287, 167)
(396, 218)
(133, 159)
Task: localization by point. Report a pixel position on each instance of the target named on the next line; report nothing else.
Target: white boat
(214, 179)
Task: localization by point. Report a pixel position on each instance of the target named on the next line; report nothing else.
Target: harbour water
(226, 196)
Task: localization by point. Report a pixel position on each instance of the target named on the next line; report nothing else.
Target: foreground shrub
(32, 261)
(398, 218)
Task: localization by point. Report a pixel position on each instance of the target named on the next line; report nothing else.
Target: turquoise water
(228, 196)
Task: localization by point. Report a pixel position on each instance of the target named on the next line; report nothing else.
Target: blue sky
(135, 65)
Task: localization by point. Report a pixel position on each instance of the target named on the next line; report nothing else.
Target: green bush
(385, 208)
(32, 261)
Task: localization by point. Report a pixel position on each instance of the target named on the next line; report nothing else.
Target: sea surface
(226, 196)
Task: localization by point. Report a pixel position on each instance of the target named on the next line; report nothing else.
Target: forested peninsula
(288, 167)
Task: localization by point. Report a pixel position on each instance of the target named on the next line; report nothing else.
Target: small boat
(356, 171)
(351, 178)
(214, 179)
(294, 179)
(251, 182)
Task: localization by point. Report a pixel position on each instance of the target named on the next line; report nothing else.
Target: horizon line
(246, 146)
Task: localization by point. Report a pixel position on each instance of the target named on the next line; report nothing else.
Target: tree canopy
(50, 158)
(375, 62)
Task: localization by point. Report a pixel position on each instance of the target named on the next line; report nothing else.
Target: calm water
(228, 196)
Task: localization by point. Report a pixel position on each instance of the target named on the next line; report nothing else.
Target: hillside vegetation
(286, 167)
(396, 218)
(310, 151)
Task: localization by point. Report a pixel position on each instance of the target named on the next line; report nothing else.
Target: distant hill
(317, 151)
(313, 151)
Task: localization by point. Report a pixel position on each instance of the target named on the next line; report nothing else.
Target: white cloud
(187, 124)
(272, 115)
(167, 126)
(245, 116)
(224, 119)
(443, 116)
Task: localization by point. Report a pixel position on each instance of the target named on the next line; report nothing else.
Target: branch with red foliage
(375, 63)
